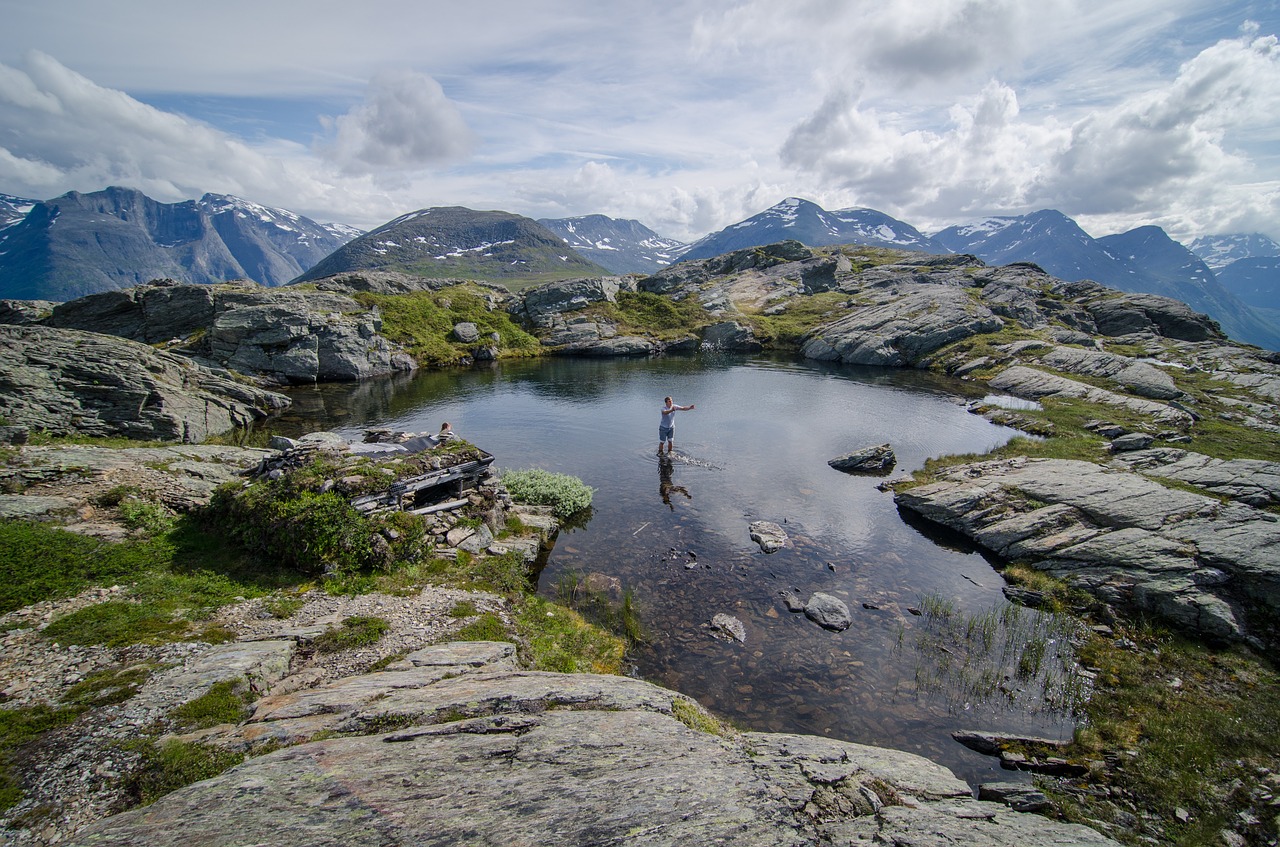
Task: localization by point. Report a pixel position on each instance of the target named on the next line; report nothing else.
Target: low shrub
(314, 534)
(565, 494)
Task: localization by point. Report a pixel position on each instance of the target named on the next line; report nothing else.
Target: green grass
(174, 581)
(803, 314)
(355, 631)
(488, 627)
(19, 727)
(164, 768)
(1191, 740)
(422, 322)
(225, 702)
(559, 639)
(108, 686)
(696, 718)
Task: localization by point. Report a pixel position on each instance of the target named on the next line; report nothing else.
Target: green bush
(314, 534)
(565, 494)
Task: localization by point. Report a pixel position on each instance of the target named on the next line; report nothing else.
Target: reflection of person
(666, 486)
(667, 426)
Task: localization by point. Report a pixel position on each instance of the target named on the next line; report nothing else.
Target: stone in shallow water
(769, 536)
(828, 612)
(877, 459)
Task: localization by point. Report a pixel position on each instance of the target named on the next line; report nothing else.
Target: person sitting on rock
(446, 433)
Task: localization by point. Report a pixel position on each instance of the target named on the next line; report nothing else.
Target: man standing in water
(667, 427)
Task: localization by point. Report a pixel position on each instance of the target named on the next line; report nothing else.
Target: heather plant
(566, 495)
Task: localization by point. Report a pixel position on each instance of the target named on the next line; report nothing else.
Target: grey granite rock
(70, 382)
(284, 334)
(480, 755)
(1120, 535)
(879, 459)
(1252, 481)
(1035, 384)
(769, 536)
(902, 331)
(828, 612)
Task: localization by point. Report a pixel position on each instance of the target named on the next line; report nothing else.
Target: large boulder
(731, 336)
(878, 459)
(69, 382)
(480, 753)
(1151, 314)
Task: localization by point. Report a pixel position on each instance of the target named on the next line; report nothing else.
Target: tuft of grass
(559, 639)
(463, 609)
(696, 718)
(164, 768)
(108, 686)
(225, 702)
(355, 631)
(488, 627)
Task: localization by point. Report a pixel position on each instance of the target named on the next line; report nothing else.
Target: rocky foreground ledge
(484, 753)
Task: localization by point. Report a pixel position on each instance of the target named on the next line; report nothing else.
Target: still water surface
(755, 448)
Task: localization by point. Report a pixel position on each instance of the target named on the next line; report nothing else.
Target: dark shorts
(666, 433)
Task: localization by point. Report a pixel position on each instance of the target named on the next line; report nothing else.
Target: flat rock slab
(1022, 381)
(1118, 534)
(544, 758)
(1252, 481)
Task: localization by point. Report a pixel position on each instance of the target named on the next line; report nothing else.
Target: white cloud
(405, 123)
(1169, 147)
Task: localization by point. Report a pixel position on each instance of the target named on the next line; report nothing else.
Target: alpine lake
(934, 646)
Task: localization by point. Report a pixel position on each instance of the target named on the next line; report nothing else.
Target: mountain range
(119, 237)
(79, 244)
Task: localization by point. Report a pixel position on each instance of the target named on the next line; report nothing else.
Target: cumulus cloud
(405, 123)
(1164, 148)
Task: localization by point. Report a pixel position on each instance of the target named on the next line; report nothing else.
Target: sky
(687, 116)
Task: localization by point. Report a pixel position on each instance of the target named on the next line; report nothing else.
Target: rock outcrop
(902, 332)
(454, 745)
(1201, 563)
(289, 336)
(68, 382)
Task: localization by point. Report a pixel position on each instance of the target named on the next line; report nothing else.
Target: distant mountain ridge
(1218, 251)
(1256, 281)
(453, 241)
(621, 246)
(79, 244)
(810, 224)
(1143, 260)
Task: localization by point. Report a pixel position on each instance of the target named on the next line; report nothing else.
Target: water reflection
(666, 483)
(757, 448)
